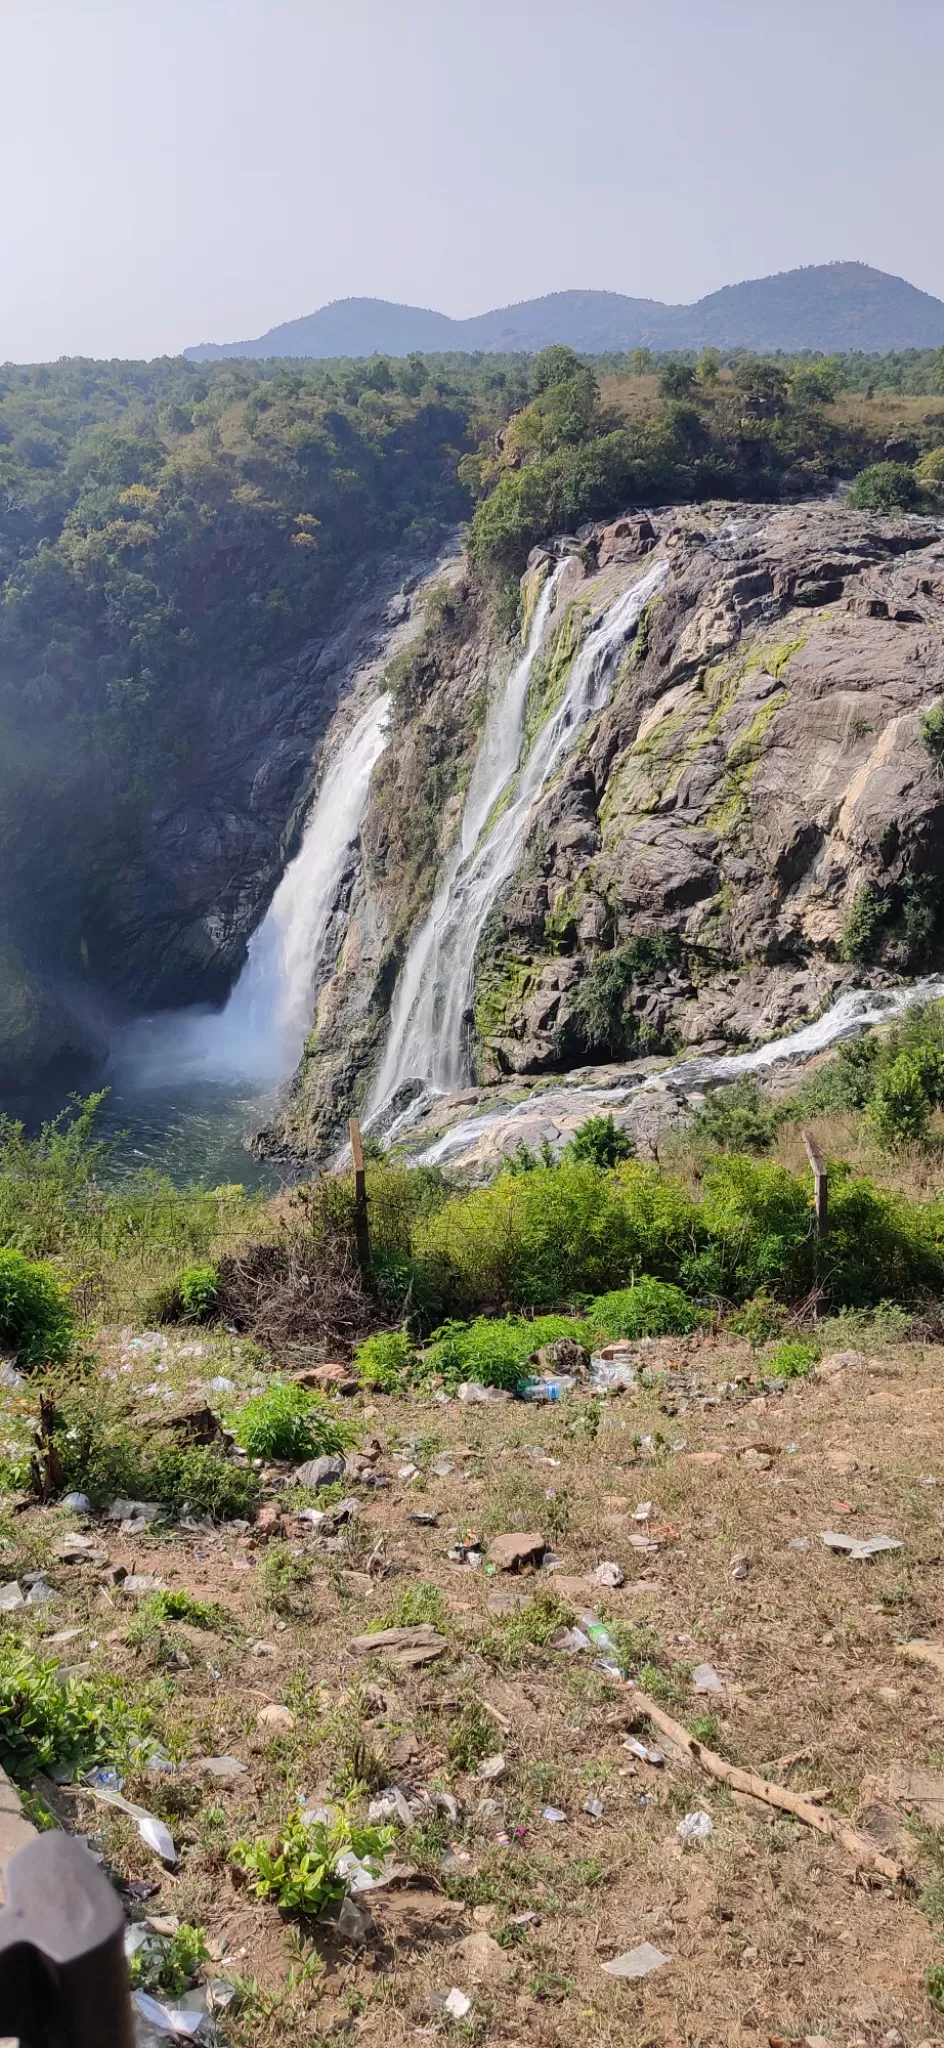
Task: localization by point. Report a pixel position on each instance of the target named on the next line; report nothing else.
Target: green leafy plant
(298, 1870)
(36, 1323)
(198, 1287)
(46, 1720)
(415, 1604)
(383, 1361)
(472, 1735)
(289, 1422)
(794, 1359)
(864, 926)
(758, 1321)
(650, 1308)
(169, 1965)
(492, 1350)
(602, 1020)
(600, 1142)
(281, 1574)
(178, 1605)
(103, 1454)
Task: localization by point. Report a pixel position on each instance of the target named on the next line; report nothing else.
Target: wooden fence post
(361, 1225)
(820, 1190)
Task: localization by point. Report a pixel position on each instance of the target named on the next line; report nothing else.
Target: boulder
(316, 1472)
(514, 1552)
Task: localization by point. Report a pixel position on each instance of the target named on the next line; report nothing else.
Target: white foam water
(428, 1040)
(259, 1034)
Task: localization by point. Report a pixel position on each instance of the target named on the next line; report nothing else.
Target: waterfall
(259, 1034)
(427, 1041)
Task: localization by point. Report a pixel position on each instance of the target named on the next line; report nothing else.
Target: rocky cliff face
(756, 818)
(159, 915)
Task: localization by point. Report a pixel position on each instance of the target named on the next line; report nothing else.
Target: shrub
(600, 1142)
(289, 1422)
(104, 1455)
(383, 1361)
(650, 1308)
(46, 1720)
(932, 731)
(492, 1350)
(758, 1321)
(281, 1574)
(738, 1118)
(414, 1605)
(885, 487)
(862, 935)
(299, 1870)
(36, 1322)
(471, 1736)
(794, 1359)
(602, 1020)
(179, 1605)
(198, 1287)
(903, 1097)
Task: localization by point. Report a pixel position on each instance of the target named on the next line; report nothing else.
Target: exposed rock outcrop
(757, 795)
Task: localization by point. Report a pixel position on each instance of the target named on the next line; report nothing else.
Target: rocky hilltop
(755, 820)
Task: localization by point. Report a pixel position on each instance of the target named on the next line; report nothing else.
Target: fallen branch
(856, 1845)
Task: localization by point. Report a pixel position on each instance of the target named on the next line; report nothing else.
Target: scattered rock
(325, 1471)
(479, 1959)
(408, 1646)
(190, 1422)
(919, 1652)
(839, 1362)
(513, 1552)
(279, 1719)
(564, 1355)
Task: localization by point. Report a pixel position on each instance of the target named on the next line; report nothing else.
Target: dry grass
(768, 1930)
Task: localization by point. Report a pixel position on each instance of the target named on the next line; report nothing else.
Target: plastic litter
(646, 1756)
(106, 1779)
(705, 1679)
(351, 1924)
(11, 1596)
(136, 1510)
(356, 1874)
(612, 1375)
(215, 1766)
(572, 1640)
(554, 1814)
(77, 1503)
(696, 1827)
(408, 1472)
(393, 1804)
(454, 2002)
(151, 1830)
(637, 1962)
(644, 1511)
(607, 1574)
(594, 1807)
(599, 1636)
(492, 1767)
(740, 1566)
(860, 1546)
(220, 1385)
(9, 1377)
(442, 1468)
(473, 1390)
(425, 1521)
(169, 2019)
(550, 1389)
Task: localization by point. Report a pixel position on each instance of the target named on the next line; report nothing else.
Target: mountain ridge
(841, 305)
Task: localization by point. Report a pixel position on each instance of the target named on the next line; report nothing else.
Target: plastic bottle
(551, 1389)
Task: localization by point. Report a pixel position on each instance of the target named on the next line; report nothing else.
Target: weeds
(299, 1870)
(416, 1604)
(46, 1721)
(287, 1422)
(282, 1573)
(169, 1965)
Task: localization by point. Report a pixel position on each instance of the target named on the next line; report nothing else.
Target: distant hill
(825, 306)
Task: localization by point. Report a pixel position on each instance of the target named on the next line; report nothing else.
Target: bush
(198, 1287)
(46, 1720)
(739, 1118)
(932, 732)
(36, 1322)
(862, 935)
(288, 1422)
(103, 1454)
(168, 1966)
(299, 1870)
(602, 1021)
(492, 1350)
(650, 1308)
(885, 487)
(599, 1142)
(904, 1095)
(794, 1359)
(758, 1321)
(383, 1361)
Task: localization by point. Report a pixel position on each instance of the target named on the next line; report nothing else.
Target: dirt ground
(770, 1931)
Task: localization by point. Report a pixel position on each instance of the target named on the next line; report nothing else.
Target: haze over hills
(824, 306)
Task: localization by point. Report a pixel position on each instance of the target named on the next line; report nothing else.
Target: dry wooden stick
(857, 1845)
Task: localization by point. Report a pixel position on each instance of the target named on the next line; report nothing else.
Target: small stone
(280, 1719)
(319, 1472)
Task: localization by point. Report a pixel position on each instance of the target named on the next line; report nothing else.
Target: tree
(676, 379)
(641, 360)
(885, 487)
(707, 366)
(554, 365)
(817, 383)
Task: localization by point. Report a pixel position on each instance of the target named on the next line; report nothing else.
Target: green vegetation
(794, 1359)
(46, 1720)
(168, 1965)
(198, 1287)
(492, 1350)
(650, 1308)
(599, 1142)
(382, 1361)
(36, 1325)
(287, 1421)
(103, 1453)
(739, 1118)
(886, 487)
(864, 926)
(299, 1870)
(606, 1027)
(932, 734)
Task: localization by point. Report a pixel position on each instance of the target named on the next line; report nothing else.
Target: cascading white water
(852, 1012)
(259, 1034)
(427, 1037)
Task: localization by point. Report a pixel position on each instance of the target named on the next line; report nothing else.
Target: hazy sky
(177, 171)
